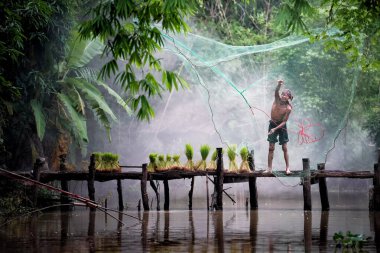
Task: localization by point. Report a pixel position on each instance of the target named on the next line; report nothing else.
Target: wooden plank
(228, 177)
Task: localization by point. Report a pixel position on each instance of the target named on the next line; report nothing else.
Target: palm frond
(93, 95)
(118, 98)
(78, 122)
(82, 51)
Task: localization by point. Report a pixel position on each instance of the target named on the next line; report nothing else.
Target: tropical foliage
(131, 31)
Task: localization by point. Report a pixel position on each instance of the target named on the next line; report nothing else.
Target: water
(270, 229)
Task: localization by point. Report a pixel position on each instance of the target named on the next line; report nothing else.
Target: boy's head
(286, 94)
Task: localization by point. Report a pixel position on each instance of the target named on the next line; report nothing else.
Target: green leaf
(83, 51)
(93, 95)
(78, 122)
(39, 118)
(118, 98)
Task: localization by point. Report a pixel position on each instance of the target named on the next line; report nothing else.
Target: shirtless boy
(280, 112)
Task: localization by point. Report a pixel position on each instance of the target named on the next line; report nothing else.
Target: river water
(278, 227)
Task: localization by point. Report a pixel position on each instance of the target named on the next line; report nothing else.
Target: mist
(232, 108)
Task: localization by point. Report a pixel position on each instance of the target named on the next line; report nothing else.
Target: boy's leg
(286, 157)
(270, 158)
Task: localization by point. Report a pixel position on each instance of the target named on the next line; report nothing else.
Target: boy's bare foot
(288, 172)
(268, 171)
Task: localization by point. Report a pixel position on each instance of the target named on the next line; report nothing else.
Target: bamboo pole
(323, 189)
(252, 182)
(144, 194)
(219, 179)
(306, 185)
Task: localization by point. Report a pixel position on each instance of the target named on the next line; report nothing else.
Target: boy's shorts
(282, 133)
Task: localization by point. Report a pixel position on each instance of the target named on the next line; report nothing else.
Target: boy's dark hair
(288, 93)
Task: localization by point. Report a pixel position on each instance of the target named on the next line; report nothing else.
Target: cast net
(237, 85)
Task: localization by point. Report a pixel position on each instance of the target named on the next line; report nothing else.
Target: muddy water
(233, 230)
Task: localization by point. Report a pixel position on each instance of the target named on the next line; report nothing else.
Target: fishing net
(237, 84)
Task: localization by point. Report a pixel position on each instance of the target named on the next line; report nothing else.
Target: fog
(212, 111)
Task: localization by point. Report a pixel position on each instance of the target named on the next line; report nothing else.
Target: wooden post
(323, 189)
(153, 185)
(166, 195)
(207, 194)
(306, 185)
(376, 188)
(36, 176)
(374, 201)
(64, 184)
(191, 194)
(144, 194)
(252, 182)
(120, 195)
(90, 180)
(219, 179)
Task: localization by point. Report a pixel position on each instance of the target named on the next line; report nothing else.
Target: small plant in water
(205, 150)
(349, 242)
(189, 152)
(231, 152)
(244, 166)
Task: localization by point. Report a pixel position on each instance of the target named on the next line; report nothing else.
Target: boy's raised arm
(277, 91)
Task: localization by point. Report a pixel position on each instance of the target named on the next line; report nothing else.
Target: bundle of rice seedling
(212, 164)
(161, 164)
(176, 162)
(231, 152)
(169, 162)
(110, 162)
(152, 162)
(189, 155)
(244, 166)
(98, 161)
(205, 150)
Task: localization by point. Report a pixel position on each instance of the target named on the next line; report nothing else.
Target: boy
(280, 112)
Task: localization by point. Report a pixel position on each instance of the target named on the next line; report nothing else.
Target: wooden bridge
(218, 177)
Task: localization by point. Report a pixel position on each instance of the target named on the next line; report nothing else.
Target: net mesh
(237, 84)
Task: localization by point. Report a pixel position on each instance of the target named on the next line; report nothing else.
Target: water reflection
(307, 225)
(188, 231)
(323, 232)
(91, 231)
